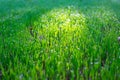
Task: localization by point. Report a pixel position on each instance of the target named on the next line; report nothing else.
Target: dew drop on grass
(21, 76)
(91, 63)
(119, 39)
(97, 62)
(52, 50)
(41, 51)
(66, 47)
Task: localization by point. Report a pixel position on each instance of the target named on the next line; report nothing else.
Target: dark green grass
(59, 40)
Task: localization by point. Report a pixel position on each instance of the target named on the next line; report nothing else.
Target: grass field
(59, 40)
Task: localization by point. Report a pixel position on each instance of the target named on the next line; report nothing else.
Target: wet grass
(59, 40)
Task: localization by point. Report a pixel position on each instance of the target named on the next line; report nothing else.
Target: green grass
(59, 40)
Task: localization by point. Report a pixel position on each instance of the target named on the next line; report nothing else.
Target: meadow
(59, 40)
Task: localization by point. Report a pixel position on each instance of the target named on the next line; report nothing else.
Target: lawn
(59, 40)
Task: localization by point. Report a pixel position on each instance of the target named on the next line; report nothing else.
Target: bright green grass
(59, 40)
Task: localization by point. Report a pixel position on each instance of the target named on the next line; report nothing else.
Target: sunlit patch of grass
(58, 34)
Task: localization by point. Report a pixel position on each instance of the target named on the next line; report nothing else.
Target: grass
(59, 40)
